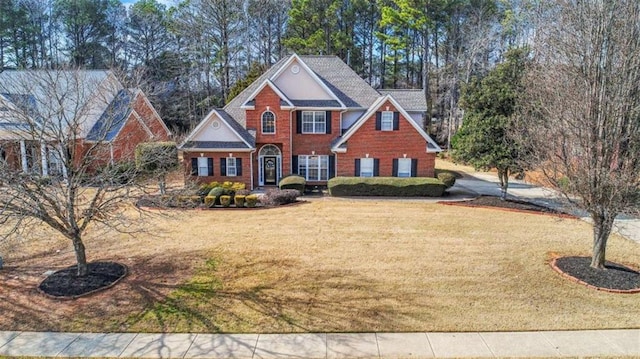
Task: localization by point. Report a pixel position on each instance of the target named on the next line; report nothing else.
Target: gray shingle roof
(315, 103)
(212, 145)
(113, 118)
(352, 90)
(410, 100)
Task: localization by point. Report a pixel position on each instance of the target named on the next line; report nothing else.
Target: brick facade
(245, 177)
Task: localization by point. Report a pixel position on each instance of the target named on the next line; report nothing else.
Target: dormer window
(268, 123)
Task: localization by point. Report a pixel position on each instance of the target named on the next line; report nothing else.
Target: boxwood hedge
(386, 186)
(293, 182)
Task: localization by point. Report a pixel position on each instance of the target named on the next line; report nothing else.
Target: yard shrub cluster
(279, 197)
(449, 179)
(251, 200)
(293, 182)
(386, 186)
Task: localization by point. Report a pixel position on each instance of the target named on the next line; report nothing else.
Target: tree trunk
(503, 176)
(81, 257)
(602, 224)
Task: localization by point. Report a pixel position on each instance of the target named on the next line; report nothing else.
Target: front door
(270, 172)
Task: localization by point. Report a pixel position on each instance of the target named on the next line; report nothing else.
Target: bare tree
(57, 166)
(582, 118)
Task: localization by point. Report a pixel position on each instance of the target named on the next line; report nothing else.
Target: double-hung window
(404, 167)
(314, 122)
(313, 168)
(268, 122)
(366, 167)
(386, 121)
(231, 167)
(203, 166)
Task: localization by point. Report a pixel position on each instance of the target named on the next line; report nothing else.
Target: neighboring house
(35, 104)
(312, 116)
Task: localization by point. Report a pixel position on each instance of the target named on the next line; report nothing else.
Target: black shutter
(328, 126)
(294, 165)
(209, 166)
(238, 166)
(376, 167)
(223, 167)
(332, 166)
(414, 167)
(396, 121)
(194, 166)
(378, 121)
(395, 167)
(357, 171)
(298, 121)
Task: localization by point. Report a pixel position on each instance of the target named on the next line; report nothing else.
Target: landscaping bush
(293, 182)
(386, 186)
(225, 201)
(251, 200)
(279, 197)
(239, 200)
(206, 188)
(216, 192)
(209, 201)
(243, 192)
(449, 179)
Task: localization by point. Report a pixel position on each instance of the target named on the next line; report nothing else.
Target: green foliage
(210, 201)
(255, 70)
(447, 178)
(155, 157)
(225, 200)
(386, 186)
(293, 182)
(251, 200)
(484, 140)
(239, 200)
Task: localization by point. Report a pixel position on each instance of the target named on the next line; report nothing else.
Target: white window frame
(262, 123)
(232, 170)
(404, 167)
(366, 167)
(316, 119)
(319, 163)
(203, 166)
(386, 121)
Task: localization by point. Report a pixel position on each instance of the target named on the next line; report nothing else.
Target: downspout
(251, 166)
(291, 141)
(335, 164)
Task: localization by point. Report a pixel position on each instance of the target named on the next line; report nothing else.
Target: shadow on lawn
(268, 296)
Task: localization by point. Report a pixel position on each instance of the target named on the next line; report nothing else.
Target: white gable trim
(207, 119)
(275, 89)
(313, 75)
(372, 110)
(153, 109)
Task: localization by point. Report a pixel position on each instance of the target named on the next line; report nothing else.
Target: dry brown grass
(328, 265)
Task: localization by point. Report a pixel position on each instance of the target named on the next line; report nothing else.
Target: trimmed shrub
(225, 201)
(243, 192)
(209, 201)
(279, 197)
(216, 192)
(239, 200)
(386, 186)
(447, 178)
(251, 200)
(293, 182)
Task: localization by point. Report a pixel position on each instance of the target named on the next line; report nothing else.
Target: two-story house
(312, 116)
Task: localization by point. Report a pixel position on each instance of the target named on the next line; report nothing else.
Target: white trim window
(313, 168)
(314, 122)
(203, 166)
(231, 167)
(366, 167)
(404, 167)
(386, 121)
(268, 122)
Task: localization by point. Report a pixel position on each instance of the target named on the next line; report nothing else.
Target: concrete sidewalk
(619, 343)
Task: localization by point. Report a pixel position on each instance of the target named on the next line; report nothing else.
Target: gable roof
(284, 101)
(348, 87)
(112, 119)
(339, 144)
(411, 100)
(244, 139)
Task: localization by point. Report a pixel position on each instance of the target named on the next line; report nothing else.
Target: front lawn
(328, 265)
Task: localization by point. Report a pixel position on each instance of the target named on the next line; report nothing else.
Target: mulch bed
(508, 204)
(65, 284)
(615, 278)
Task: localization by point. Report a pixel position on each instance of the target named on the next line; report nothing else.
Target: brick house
(312, 116)
(109, 119)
